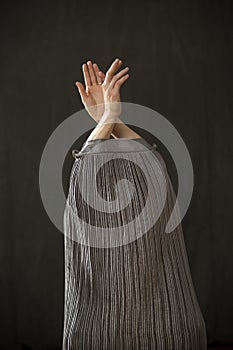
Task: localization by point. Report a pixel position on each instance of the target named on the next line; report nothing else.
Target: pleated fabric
(123, 293)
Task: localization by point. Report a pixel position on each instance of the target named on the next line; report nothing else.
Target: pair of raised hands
(102, 92)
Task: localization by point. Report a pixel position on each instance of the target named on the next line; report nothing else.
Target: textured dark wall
(180, 56)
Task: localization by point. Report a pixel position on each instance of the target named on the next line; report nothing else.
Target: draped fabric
(127, 282)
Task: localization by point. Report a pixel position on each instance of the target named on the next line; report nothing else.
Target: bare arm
(94, 97)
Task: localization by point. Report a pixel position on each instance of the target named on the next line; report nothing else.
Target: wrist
(112, 109)
(109, 117)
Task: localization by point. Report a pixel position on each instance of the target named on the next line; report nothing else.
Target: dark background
(180, 56)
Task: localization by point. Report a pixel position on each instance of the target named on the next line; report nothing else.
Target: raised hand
(98, 97)
(111, 87)
(92, 94)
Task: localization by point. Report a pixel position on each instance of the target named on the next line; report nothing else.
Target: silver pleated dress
(128, 284)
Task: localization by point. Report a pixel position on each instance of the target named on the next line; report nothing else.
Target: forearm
(104, 128)
(101, 90)
(120, 130)
(117, 130)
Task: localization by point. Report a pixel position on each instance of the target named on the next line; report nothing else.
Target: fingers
(87, 78)
(121, 81)
(92, 73)
(112, 70)
(102, 75)
(118, 76)
(98, 74)
(81, 90)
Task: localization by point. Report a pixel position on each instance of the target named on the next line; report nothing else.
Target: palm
(92, 94)
(99, 90)
(94, 103)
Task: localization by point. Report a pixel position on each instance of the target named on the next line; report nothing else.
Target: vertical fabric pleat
(138, 295)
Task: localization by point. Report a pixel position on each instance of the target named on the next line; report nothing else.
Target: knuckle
(114, 79)
(114, 92)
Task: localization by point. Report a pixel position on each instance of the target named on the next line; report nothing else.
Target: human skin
(101, 98)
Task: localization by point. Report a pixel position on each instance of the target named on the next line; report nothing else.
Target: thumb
(81, 90)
